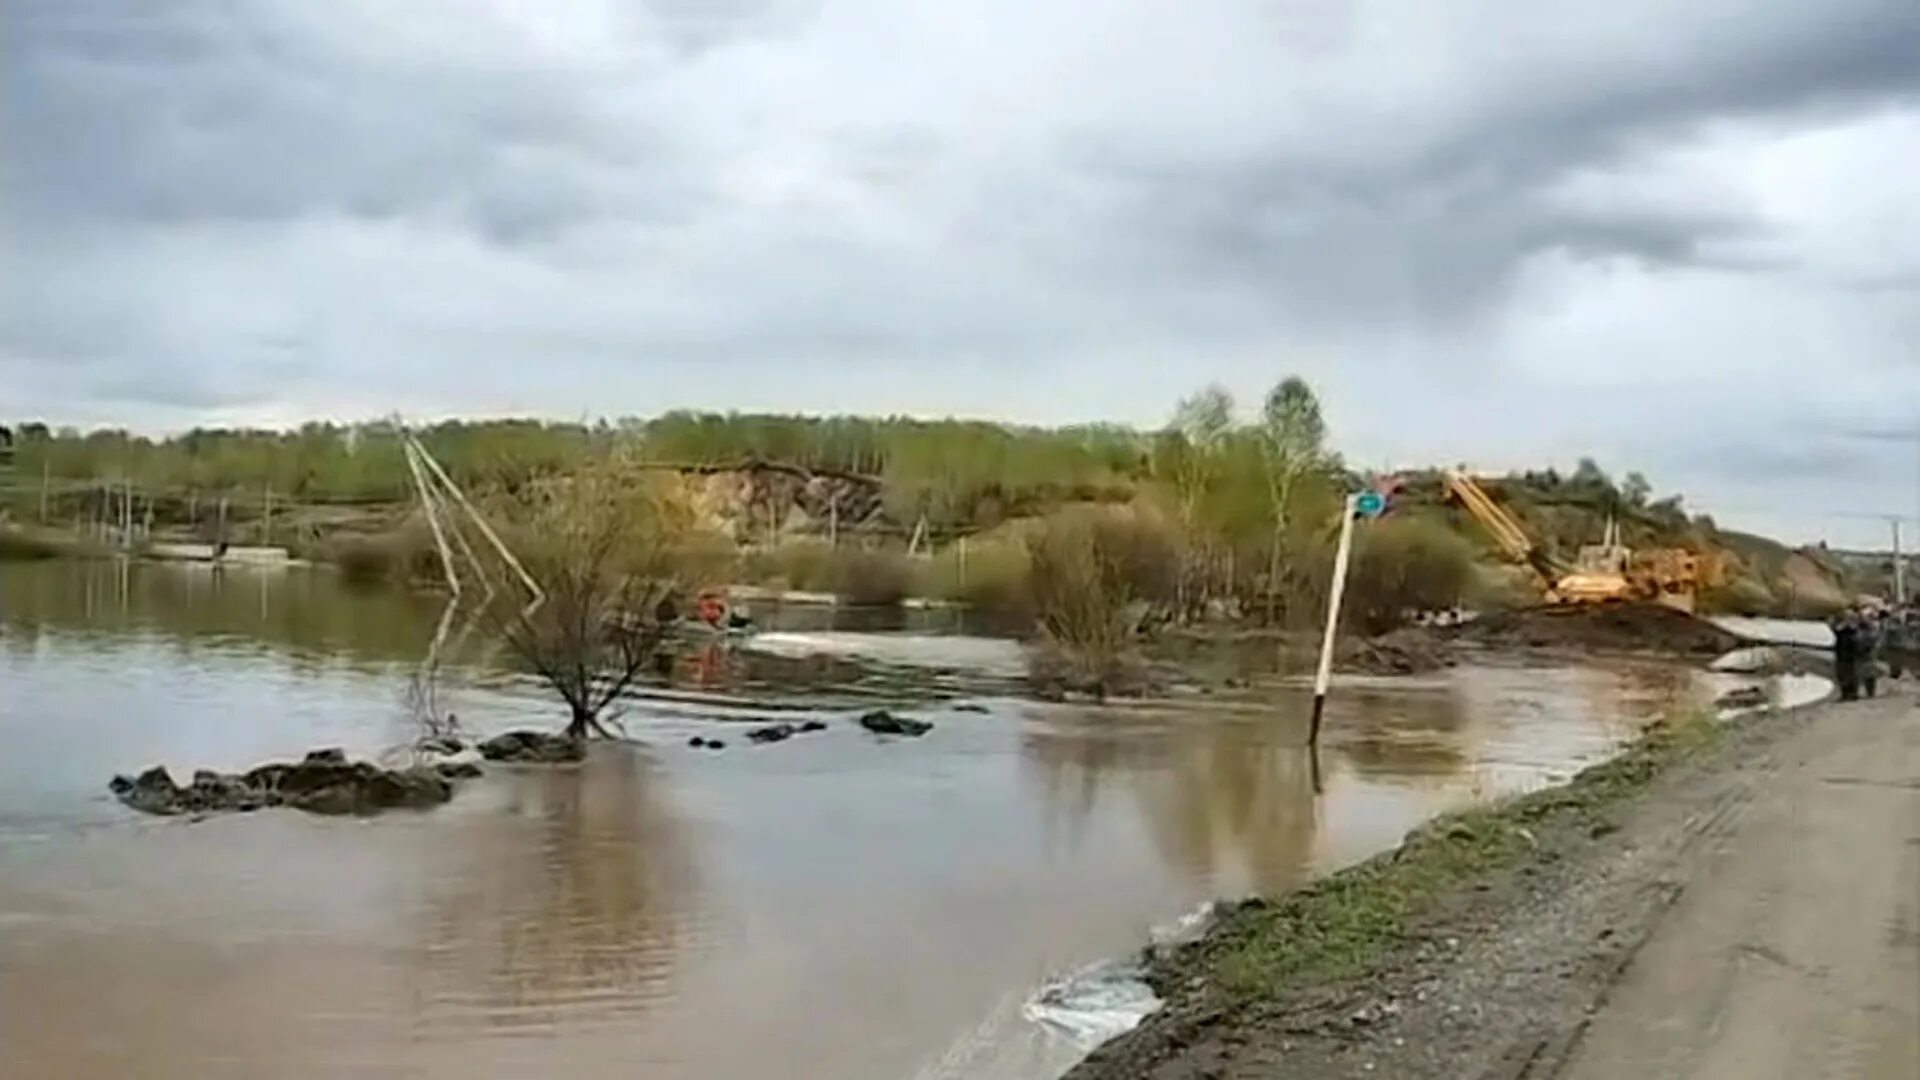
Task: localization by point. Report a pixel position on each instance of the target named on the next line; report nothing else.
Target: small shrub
(362, 559)
(1095, 575)
(1403, 566)
(871, 576)
(801, 564)
(405, 554)
(988, 574)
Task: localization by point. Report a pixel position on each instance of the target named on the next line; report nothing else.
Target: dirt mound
(1412, 650)
(1601, 628)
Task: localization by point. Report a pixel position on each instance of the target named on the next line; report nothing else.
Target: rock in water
(152, 792)
(440, 745)
(533, 748)
(882, 722)
(323, 782)
(771, 733)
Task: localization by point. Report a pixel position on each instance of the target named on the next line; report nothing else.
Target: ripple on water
(834, 905)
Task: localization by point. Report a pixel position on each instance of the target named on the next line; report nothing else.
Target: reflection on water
(581, 911)
(836, 905)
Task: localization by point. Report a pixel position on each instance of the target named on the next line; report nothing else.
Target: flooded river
(832, 906)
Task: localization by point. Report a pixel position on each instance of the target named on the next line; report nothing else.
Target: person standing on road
(1846, 655)
(1867, 648)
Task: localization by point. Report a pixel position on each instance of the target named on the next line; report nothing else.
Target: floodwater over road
(836, 905)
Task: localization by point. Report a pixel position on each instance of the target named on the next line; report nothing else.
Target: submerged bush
(862, 575)
(871, 576)
(987, 572)
(1096, 575)
(1406, 565)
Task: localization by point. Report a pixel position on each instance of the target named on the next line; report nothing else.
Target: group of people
(1860, 635)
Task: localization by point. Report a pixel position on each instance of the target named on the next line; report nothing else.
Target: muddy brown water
(831, 906)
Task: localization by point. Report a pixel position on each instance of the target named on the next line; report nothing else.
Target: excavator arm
(1506, 532)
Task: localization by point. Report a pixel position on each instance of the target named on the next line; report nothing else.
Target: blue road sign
(1370, 504)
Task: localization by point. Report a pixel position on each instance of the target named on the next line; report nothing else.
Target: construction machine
(1607, 572)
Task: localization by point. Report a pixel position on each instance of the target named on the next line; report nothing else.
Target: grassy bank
(1351, 922)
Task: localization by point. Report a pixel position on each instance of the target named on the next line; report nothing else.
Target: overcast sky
(1682, 236)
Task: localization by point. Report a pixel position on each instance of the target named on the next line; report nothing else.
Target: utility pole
(1324, 674)
(1899, 567)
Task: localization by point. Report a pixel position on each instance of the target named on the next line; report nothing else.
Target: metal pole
(1341, 556)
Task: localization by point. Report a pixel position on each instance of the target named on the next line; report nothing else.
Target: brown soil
(1411, 650)
(1212, 655)
(1640, 628)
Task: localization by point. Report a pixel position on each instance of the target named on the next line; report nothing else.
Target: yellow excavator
(1607, 572)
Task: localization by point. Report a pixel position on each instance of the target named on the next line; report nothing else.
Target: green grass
(1346, 924)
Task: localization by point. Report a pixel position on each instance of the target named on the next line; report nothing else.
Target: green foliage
(1095, 575)
(862, 575)
(960, 474)
(1405, 565)
(987, 572)
(315, 463)
(1291, 426)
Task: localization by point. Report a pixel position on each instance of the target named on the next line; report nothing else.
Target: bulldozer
(1603, 573)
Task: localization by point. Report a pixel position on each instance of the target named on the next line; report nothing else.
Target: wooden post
(433, 522)
(499, 546)
(46, 474)
(221, 536)
(963, 562)
(833, 522)
(266, 522)
(1341, 556)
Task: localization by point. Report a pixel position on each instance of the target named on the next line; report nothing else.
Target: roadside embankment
(1484, 945)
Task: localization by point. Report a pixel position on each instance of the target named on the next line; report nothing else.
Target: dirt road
(1794, 949)
(1754, 913)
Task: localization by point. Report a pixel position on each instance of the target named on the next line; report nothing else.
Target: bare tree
(595, 634)
(598, 545)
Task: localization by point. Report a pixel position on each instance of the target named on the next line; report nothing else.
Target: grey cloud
(222, 202)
